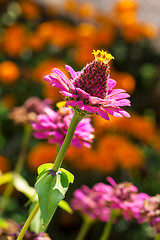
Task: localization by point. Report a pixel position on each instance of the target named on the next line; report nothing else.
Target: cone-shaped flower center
(93, 77)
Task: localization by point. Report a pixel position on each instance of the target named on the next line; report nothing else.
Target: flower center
(93, 77)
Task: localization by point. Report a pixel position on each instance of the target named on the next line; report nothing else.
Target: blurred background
(34, 38)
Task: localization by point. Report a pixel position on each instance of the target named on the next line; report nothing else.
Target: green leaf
(44, 167)
(51, 189)
(22, 186)
(65, 206)
(37, 222)
(70, 176)
(3, 223)
(5, 178)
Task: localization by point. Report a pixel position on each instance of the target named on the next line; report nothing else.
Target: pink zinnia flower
(91, 89)
(127, 199)
(90, 203)
(53, 126)
(150, 212)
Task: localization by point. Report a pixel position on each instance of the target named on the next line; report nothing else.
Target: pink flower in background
(53, 126)
(150, 212)
(90, 203)
(124, 198)
(91, 89)
(120, 199)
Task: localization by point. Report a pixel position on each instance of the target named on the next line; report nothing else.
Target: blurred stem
(28, 221)
(19, 165)
(75, 120)
(157, 237)
(87, 222)
(107, 228)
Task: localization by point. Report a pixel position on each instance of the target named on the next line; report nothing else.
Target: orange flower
(81, 158)
(14, 39)
(83, 54)
(64, 34)
(112, 151)
(4, 164)
(130, 156)
(121, 151)
(86, 10)
(40, 154)
(125, 13)
(142, 128)
(58, 33)
(70, 5)
(44, 68)
(9, 72)
(35, 42)
(45, 31)
(149, 30)
(125, 5)
(29, 9)
(124, 80)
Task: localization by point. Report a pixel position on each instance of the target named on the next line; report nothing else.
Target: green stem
(75, 120)
(157, 237)
(27, 223)
(23, 150)
(107, 229)
(19, 165)
(87, 222)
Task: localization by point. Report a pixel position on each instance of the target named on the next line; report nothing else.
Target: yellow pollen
(102, 56)
(61, 104)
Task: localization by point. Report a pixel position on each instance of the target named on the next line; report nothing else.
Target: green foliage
(51, 188)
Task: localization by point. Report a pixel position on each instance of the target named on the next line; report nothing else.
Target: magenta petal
(113, 112)
(56, 79)
(115, 91)
(63, 77)
(60, 74)
(71, 71)
(102, 113)
(121, 96)
(47, 78)
(88, 108)
(74, 103)
(111, 181)
(111, 83)
(82, 93)
(124, 113)
(67, 94)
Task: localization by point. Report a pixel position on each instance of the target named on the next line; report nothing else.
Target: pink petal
(102, 113)
(113, 112)
(115, 91)
(73, 103)
(111, 181)
(67, 94)
(63, 77)
(71, 71)
(111, 83)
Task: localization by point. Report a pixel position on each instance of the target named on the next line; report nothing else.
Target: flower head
(123, 197)
(29, 110)
(53, 126)
(90, 202)
(11, 232)
(150, 211)
(91, 89)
